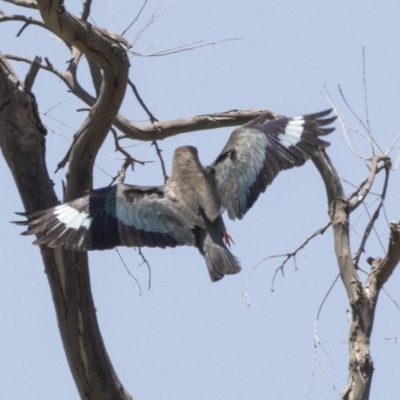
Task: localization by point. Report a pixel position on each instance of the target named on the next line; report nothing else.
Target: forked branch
(362, 298)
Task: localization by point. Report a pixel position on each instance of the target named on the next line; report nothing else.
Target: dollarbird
(188, 209)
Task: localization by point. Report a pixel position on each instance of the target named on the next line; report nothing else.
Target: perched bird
(188, 209)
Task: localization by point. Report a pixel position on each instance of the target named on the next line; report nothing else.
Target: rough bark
(362, 297)
(22, 140)
(23, 146)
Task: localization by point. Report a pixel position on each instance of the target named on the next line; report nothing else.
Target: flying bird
(188, 209)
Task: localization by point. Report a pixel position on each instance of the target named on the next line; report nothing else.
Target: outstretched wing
(256, 152)
(121, 215)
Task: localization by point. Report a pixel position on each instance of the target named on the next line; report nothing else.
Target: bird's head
(186, 160)
(185, 155)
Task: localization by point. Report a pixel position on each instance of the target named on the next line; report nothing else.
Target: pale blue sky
(188, 338)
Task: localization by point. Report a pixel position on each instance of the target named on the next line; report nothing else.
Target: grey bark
(362, 297)
(22, 142)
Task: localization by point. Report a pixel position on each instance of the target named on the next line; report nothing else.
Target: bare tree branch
(32, 73)
(293, 254)
(112, 60)
(375, 215)
(144, 261)
(317, 342)
(86, 9)
(24, 3)
(363, 190)
(383, 268)
(22, 18)
(97, 77)
(141, 102)
(128, 271)
(339, 216)
(362, 299)
(67, 271)
(366, 97)
(23, 146)
(135, 19)
(185, 47)
(162, 163)
(287, 257)
(159, 129)
(164, 129)
(369, 137)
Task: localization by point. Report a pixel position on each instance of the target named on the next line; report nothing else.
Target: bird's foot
(228, 238)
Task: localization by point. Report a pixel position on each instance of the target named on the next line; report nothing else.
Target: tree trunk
(22, 141)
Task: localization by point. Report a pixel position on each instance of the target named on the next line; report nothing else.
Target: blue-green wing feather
(256, 152)
(121, 215)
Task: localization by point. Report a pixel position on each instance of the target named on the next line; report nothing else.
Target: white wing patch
(72, 218)
(292, 135)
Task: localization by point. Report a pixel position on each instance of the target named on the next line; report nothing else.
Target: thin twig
(365, 187)
(366, 99)
(124, 152)
(135, 19)
(375, 215)
(396, 304)
(287, 256)
(128, 271)
(22, 18)
(317, 342)
(147, 264)
(293, 254)
(371, 140)
(374, 229)
(152, 19)
(141, 102)
(186, 47)
(159, 155)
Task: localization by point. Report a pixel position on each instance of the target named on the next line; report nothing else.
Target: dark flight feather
(187, 210)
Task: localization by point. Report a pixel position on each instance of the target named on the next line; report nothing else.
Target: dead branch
(293, 254)
(362, 191)
(67, 271)
(86, 9)
(368, 136)
(375, 215)
(162, 163)
(24, 3)
(97, 77)
(144, 261)
(135, 19)
(27, 21)
(23, 146)
(159, 129)
(338, 213)
(164, 129)
(112, 60)
(317, 342)
(287, 256)
(362, 298)
(141, 102)
(32, 73)
(383, 268)
(128, 271)
(182, 48)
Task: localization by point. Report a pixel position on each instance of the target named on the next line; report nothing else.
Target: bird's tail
(210, 242)
(220, 261)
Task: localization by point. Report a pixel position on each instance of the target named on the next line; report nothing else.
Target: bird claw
(228, 239)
